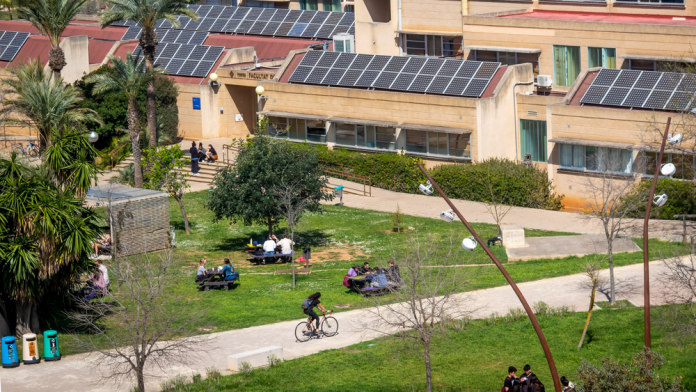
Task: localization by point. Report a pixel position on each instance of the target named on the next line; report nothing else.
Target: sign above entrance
(251, 75)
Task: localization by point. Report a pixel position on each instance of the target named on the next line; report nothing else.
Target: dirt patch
(351, 351)
(336, 254)
(397, 232)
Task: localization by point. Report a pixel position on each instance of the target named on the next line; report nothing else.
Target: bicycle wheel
(329, 326)
(18, 150)
(303, 332)
(33, 151)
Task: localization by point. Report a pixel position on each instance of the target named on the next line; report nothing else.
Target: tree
(127, 79)
(592, 271)
(7, 4)
(51, 17)
(71, 161)
(425, 302)
(45, 234)
(147, 324)
(607, 189)
(291, 205)
(679, 289)
(246, 192)
(147, 13)
(36, 100)
(497, 210)
(167, 174)
(397, 219)
(639, 376)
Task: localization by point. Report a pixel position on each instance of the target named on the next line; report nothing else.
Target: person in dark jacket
(393, 273)
(211, 155)
(194, 159)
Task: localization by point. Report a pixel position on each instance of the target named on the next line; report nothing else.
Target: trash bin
(50, 343)
(30, 349)
(338, 193)
(307, 252)
(9, 352)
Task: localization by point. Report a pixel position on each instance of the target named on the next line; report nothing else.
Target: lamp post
(92, 137)
(527, 308)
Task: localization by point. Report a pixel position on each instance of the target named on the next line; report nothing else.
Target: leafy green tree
(71, 161)
(167, 174)
(45, 234)
(51, 17)
(36, 100)
(246, 191)
(147, 13)
(128, 78)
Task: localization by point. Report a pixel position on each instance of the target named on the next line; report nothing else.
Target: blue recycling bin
(9, 352)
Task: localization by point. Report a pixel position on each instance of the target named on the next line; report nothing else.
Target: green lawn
(340, 237)
(474, 358)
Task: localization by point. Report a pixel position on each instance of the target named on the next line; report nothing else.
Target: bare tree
(592, 271)
(143, 327)
(611, 198)
(497, 210)
(425, 301)
(291, 205)
(679, 289)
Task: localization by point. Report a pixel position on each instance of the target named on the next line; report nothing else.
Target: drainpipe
(514, 104)
(400, 26)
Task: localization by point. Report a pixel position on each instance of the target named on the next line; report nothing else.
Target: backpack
(515, 387)
(305, 304)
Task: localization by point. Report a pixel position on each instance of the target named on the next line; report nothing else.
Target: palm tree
(51, 17)
(35, 99)
(7, 4)
(147, 13)
(70, 159)
(127, 78)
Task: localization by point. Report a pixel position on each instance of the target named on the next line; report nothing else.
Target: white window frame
(287, 132)
(369, 129)
(584, 168)
(427, 145)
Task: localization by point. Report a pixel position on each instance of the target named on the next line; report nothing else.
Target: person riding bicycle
(308, 307)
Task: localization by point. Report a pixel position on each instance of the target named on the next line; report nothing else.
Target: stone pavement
(564, 246)
(74, 374)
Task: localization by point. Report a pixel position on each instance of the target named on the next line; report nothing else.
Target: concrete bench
(255, 358)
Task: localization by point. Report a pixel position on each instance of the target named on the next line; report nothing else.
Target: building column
(210, 112)
(330, 135)
(400, 140)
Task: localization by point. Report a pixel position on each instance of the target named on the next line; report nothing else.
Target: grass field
(340, 237)
(474, 358)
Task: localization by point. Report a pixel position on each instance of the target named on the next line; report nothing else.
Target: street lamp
(259, 91)
(447, 216)
(92, 137)
(214, 79)
(470, 244)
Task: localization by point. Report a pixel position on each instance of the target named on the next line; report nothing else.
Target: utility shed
(138, 218)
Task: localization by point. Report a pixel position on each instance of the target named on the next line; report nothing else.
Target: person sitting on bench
(269, 246)
(286, 245)
(228, 271)
(365, 269)
(393, 273)
(380, 279)
(200, 272)
(103, 241)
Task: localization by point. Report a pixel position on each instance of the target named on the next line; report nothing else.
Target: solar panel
(344, 60)
(334, 76)
(280, 15)
(688, 84)
(203, 11)
(198, 52)
(258, 27)
(679, 101)
(414, 65)
(594, 94)
(284, 29)
(432, 66)
(647, 79)
(270, 28)
(9, 52)
(267, 14)
(378, 63)
(132, 33)
(457, 86)
(403, 81)
(244, 26)
(668, 81)
(439, 84)
(334, 18)
(351, 76)
(347, 20)
(468, 69)
(184, 37)
(606, 77)
(626, 78)
(320, 17)
(475, 87)
(206, 24)
(450, 68)
(198, 38)
(297, 29)
(421, 83)
(615, 96)
(311, 58)
(657, 99)
(227, 12)
(173, 66)
(214, 53)
(361, 61)
(7, 37)
(305, 17)
(486, 71)
(327, 59)
(253, 13)
(12, 45)
(317, 75)
(293, 15)
(232, 25)
(396, 64)
(367, 78)
(300, 74)
(636, 98)
(385, 79)
(311, 30)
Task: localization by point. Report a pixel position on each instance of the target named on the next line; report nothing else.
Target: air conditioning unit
(545, 81)
(344, 43)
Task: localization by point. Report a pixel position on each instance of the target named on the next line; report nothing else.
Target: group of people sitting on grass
(227, 271)
(529, 382)
(98, 282)
(375, 277)
(102, 242)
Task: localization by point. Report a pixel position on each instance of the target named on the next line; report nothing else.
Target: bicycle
(305, 330)
(31, 149)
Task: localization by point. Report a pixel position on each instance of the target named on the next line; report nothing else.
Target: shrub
(513, 184)
(680, 201)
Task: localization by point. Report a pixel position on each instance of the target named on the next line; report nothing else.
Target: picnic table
(360, 285)
(216, 279)
(275, 256)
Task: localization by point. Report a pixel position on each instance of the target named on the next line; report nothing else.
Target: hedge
(513, 184)
(680, 198)
(510, 183)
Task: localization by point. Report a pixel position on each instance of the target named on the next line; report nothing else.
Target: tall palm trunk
(134, 133)
(148, 42)
(56, 60)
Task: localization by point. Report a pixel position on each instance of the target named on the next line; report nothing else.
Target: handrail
(226, 149)
(114, 153)
(365, 180)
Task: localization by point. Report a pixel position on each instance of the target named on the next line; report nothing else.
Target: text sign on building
(196, 103)
(251, 75)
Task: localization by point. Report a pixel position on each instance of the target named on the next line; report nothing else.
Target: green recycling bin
(51, 350)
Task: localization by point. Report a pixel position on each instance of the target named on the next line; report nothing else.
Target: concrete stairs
(206, 172)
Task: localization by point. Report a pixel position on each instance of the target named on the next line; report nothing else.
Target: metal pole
(530, 313)
(646, 258)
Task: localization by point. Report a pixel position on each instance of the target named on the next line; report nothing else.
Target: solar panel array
(10, 44)
(406, 73)
(642, 89)
(263, 21)
(167, 35)
(185, 60)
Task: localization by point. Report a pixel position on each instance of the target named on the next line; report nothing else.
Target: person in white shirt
(104, 272)
(286, 245)
(269, 246)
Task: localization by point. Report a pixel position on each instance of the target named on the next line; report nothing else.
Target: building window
(566, 64)
(366, 136)
(600, 159)
(297, 129)
(533, 139)
(309, 5)
(349, 8)
(433, 45)
(438, 143)
(652, 2)
(260, 4)
(331, 5)
(601, 57)
(509, 58)
(683, 163)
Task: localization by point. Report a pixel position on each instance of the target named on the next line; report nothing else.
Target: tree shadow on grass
(302, 239)
(179, 225)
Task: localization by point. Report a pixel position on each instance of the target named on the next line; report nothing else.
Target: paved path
(73, 374)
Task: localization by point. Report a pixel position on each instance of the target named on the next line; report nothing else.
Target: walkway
(74, 374)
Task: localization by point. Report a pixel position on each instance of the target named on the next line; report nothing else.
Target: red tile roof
(36, 47)
(98, 50)
(112, 33)
(266, 47)
(606, 18)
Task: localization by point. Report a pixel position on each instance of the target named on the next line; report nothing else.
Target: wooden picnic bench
(211, 281)
(260, 258)
(366, 290)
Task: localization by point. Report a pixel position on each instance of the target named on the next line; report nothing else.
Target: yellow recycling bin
(30, 349)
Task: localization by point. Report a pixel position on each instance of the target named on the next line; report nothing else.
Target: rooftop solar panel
(300, 74)
(385, 79)
(173, 66)
(439, 84)
(361, 61)
(206, 24)
(457, 86)
(132, 33)
(450, 68)
(615, 96)
(396, 64)
(232, 25)
(668, 81)
(267, 14)
(679, 101)
(284, 29)
(606, 77)
(320, 17)
(257, 27)
(421, 83)
(311, 58)
(657, 99)
(626, 78)
(486, 71)
(327, 59)
(647, 79)
(347, 20)
(687, 84)
(280, 15)
(476, 87)
(311, 30)
(334, 76)
(432, 66)
(244, 26)
(253, 13)
(414, 65)
(345, 60)
(317, 75)
(367, 78)
(325, 31)
(270, 28)
(403, 81)
(227, 12)
(305, 17)
(594, 94)
(351, 76)
(636, 98)
(378, 63)
(293, 15)
(214, 52)
(297, 29)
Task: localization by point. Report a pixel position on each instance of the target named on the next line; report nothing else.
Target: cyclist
(308, 307)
